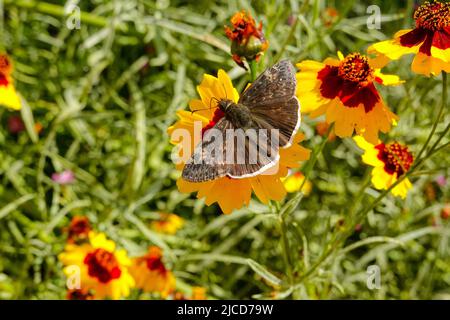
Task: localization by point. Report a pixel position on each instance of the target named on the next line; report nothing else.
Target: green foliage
(105, 95)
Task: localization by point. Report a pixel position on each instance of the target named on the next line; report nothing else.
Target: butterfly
(268, 105)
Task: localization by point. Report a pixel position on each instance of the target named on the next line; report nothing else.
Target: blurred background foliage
(105, 94)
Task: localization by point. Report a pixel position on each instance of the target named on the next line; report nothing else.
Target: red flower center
(102, 265)
(433, 16)
(3, 79)
(154, 263)
(79, 294)
(351, 82)
(397, 158)
(356, 68)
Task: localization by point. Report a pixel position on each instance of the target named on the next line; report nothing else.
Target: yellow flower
(390, 161)
(293, 183)
(151, 274)
(103, 268)
(344, 90)
(231, 193)
(8, 94)
(429, 40)
(169, 223)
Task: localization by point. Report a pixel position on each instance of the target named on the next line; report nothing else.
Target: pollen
(396, 157)
(102, 265)
(355, 68)
(433, 15)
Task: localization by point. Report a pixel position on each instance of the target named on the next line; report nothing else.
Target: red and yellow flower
(169, 223)
(247, 39)
(8, 94)
(344, 90)
(231, 193)
(103, 268)
(429, 40)
(151, 274)
(390, 161)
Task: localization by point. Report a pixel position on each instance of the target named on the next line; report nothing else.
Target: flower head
(63, 178)
(231, 193)
(247, 39)
(78, 230)
(344, 90)
(390, 161)
(8, 94)
(429, 40)
(151, 274)
(104, 269)
(169, 223)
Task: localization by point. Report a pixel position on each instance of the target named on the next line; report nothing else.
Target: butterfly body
(237, 113)
(242, 143)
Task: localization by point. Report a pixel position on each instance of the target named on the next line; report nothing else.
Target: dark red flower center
(433, 15)
(396, 158)
(351, 82)
(356, 68)
(3, 80)
(102, 265)
(154, 263)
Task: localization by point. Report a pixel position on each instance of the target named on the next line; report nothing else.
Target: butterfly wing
(211, 158)
(272, 102)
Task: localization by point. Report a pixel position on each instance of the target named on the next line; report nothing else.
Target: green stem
(292, 204)
(253, 70)
(441, 111)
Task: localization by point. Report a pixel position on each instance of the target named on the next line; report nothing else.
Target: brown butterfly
(268, 105)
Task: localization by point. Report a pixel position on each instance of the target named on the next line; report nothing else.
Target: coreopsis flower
(429, 40)
(8, 94)
(63, 178)
(15, 124)
(231, 193)
(78, 230)
(344, 90)
(247, 39)
(168, 223)
(103, 268)
(150, 273)
(293, 183)
(330, 16)
(390, 161)
(445, 213)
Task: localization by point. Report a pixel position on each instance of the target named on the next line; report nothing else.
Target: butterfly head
(225, 104)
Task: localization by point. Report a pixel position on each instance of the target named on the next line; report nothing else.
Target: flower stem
(253, 70)
(292, 204)
(436, 122)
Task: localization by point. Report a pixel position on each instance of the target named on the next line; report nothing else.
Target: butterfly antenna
(210, 101)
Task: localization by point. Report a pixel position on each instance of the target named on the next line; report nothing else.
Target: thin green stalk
(441, 111)
(292, 204)
(253, 70)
